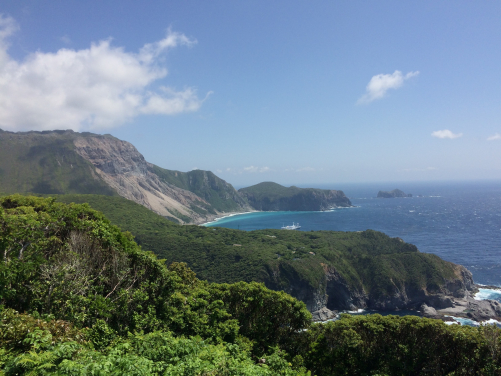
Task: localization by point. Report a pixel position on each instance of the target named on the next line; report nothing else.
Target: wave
(484, 294)
(225, 217)
(470, 322)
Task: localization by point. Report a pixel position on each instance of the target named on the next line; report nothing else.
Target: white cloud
(95, 88)
(496, 136)
(256, 169)
(381, 83)
(446, 134)
(305, 169)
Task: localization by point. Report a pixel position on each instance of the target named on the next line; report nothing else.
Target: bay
(458, 221)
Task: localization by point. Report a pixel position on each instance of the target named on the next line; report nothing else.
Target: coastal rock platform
(467, 307)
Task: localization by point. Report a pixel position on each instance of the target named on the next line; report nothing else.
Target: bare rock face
(340, 294)
(323, 314)
(124, 169)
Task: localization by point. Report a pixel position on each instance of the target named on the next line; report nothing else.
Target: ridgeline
(269, 196)
(67, 162)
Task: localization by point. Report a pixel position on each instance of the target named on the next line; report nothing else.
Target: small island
(393, 194)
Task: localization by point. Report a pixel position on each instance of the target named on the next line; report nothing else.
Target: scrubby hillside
(269, 196)
(340, 270)
(94, 303)
(46, 162)
(63, 162)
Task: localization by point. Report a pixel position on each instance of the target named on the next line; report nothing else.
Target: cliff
(270, 196)
(66, 162)
(324, 269)
(393, 194)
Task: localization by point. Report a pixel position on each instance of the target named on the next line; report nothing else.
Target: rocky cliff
(268, 196)
(57, 162)
(336, 293)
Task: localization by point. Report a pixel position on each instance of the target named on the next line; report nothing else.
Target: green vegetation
(369, 260)
(219, 194)
(95, 303)
(271, 190)
(269, 196)
(45, 162)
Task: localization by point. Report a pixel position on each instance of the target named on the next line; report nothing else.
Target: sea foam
(484, 294)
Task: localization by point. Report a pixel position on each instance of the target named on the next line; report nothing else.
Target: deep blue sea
(460, 221)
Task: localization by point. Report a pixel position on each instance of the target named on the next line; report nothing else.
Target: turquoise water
(460, 222)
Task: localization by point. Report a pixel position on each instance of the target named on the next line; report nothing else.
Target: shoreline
(473, 310)
(217, 217)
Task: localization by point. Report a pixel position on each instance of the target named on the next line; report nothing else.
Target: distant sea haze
(460, 221)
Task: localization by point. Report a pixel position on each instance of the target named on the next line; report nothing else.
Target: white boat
(294, 226)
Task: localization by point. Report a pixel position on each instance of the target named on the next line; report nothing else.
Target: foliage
(219, 194)
(271, 196)
(98, 305)
(393, 345)
(157, 353)
(46, 162)
(70, 262)
(369, 259)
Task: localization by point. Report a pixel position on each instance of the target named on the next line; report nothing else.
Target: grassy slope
(272, 190)
(369, 259)
(205, 184)
(40, 162)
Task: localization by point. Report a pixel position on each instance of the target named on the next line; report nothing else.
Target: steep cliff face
(270, 196)
(218, 193)
(66, 162)
(124, 169)
(336, 293)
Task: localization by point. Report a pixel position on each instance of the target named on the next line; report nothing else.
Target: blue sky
(297, 92)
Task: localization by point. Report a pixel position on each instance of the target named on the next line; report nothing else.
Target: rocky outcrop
(340, 294)
(125, 170)
(270, 196)
(335, 293)
(393, 194)
(323, 314)
(465, 307)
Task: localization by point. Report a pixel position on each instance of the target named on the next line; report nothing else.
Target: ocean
(458, 221)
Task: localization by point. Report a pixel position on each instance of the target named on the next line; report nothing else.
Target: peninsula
(269, 196)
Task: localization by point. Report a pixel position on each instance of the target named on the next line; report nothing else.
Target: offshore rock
(393, 194)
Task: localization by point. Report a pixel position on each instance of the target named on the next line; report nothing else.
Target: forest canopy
(78, 297)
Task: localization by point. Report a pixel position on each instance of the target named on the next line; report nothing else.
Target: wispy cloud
(256, 169)
(65, 39)
(446, 134)
(95, 88)
(494, 137)
(303, 169)
(381, 83)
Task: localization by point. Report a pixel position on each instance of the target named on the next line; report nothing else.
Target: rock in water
(393, 194)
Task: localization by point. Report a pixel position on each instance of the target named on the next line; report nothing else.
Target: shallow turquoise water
(460, 222)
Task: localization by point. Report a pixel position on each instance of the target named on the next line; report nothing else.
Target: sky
(296, 92)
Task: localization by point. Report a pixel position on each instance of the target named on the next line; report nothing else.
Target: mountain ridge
(68, 162)
(57, 162)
